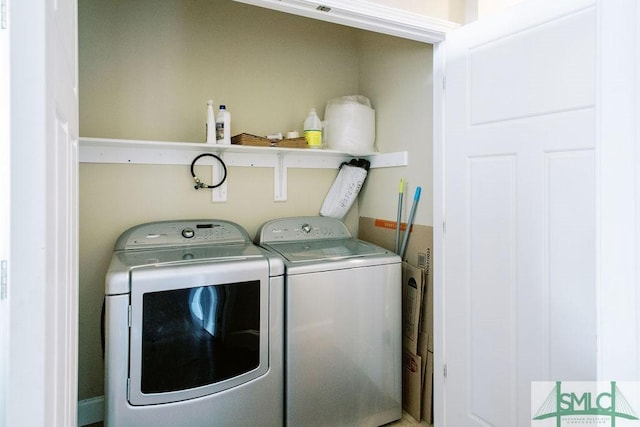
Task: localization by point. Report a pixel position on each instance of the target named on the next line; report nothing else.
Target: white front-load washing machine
(343, 338)
(193, 328)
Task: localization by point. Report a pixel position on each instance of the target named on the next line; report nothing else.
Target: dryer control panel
(302, 228)
(180, 233)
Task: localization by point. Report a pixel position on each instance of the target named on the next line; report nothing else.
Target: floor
(406, 421)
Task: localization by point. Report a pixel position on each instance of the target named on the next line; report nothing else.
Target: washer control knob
(188, 233)
(306, 228)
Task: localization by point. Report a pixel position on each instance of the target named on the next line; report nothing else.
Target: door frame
(5, 228)
(439, 227)
(42, 294)
(618, 191)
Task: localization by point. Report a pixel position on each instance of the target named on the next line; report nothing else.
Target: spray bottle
(211, 124)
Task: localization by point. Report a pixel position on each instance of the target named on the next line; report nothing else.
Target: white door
(519, 277)
(43, 290)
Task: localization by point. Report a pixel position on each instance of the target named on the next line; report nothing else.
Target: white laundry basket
(349, 125)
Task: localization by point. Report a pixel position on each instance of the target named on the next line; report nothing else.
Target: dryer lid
(325, 250)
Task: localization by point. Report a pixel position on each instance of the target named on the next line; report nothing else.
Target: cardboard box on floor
(413, 287)
(427, 391)
(417, 298)
(417, 306)
(411, 383)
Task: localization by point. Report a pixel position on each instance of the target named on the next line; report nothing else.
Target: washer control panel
(179, 233)
(303, 228)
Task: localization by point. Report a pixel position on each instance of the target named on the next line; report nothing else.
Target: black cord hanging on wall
(200, 184)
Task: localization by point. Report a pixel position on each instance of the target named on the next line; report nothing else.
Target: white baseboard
(90, 411)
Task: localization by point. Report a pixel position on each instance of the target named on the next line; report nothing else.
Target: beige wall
(396, 75)
(490, 7)
(146, 71)
(448, 10)
(147, 68)
(459, 11)
(478, 9)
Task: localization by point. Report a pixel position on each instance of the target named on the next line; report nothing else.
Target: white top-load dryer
(343, 309)
(193, 328)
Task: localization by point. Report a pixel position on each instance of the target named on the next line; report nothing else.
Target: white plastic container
(211, 124)
(223, 126)
(350, 125)
(313, 130)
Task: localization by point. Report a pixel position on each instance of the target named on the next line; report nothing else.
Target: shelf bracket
(280, 179)
(218, 194)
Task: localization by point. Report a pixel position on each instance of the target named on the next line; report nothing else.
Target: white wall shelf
(101, 150)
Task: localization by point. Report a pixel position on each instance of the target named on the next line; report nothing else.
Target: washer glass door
(197, 329)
